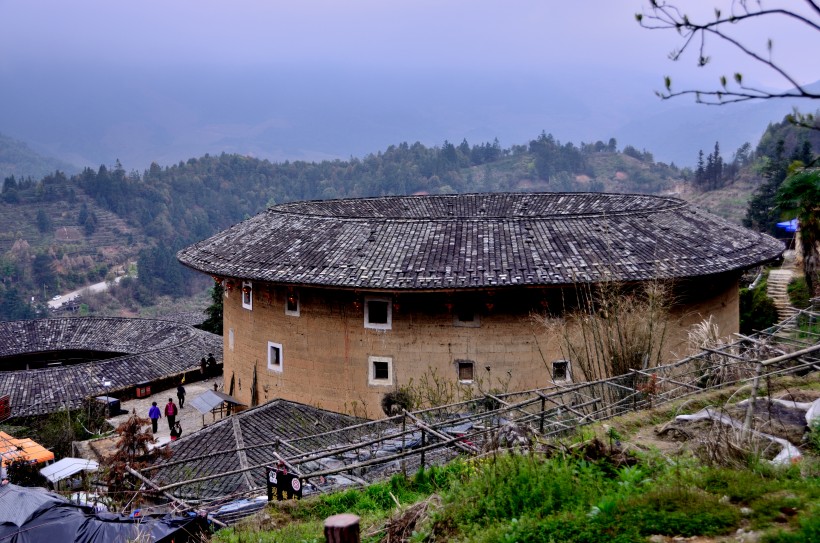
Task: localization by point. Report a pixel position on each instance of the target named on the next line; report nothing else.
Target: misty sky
(342, 50)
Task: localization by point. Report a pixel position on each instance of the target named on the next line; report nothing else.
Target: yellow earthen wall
(325, 349)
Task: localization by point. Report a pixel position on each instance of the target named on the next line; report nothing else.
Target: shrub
(757, 310)
(510, 486)
(799, 293)
(808, 530)
(680, 511)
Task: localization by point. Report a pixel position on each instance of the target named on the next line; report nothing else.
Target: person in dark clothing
(211, 364)
(203, 367)
(171, 413)
(154, 415)
(176, 431)
(181, 395)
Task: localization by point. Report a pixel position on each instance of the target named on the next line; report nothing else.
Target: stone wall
(327, 357)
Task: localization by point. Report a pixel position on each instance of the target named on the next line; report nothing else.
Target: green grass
(528, 498)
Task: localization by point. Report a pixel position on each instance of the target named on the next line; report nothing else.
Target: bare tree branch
(663, 15)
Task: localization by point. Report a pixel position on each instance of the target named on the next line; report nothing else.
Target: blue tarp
(33, 515)
(788, 226)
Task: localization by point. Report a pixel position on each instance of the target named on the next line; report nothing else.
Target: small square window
(465, 370)
(380, 371)
(247, 295)
(292, 304)
(275, 356)
(378, 313)
(560, 370)
(466, 317)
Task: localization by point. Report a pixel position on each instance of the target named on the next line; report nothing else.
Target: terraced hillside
(47, 220)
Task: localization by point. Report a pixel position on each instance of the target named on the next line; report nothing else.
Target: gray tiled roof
(479, 240)
(212, 450)
(154, 349)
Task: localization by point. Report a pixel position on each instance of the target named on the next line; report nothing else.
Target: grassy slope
(562, 494)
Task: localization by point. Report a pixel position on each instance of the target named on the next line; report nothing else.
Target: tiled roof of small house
(233, 444)
(153, 349)
(479, 240)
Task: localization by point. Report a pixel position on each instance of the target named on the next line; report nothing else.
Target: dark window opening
(381, 371)
(292, 303)
(560, 370)
(377, 312)
(275, 356)
(466, 316)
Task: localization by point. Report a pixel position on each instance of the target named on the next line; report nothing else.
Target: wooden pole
(423, 439)
(403, 429)
(747, 422)
(342, 528)
(463, 446)
(171, 497)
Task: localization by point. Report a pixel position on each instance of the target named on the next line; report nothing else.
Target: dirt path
(189, 418)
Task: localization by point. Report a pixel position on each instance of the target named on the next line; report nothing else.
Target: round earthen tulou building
(334, 303)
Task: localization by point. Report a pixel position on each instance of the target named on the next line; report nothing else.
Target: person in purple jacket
(154, 415)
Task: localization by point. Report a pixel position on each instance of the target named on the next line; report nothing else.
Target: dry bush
(615, 329)
(433, 390)
(711, 368)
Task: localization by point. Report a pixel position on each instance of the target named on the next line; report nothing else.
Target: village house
(334, 303)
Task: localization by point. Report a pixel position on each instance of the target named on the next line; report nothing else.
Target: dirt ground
(675, 437)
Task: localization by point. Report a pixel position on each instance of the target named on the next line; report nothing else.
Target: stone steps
(777, 290)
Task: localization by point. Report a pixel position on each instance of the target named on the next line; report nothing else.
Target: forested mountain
(742, 186)
(783, 146)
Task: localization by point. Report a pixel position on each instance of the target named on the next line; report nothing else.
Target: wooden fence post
(423, 434)
(403, 429)
(342, 528)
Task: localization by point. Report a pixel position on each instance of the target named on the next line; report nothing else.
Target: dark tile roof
(213, 450)
(479, 240)
(155, 349)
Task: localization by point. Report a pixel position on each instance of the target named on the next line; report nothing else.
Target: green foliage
(509, 486)
(524, 498)
(25, 473)
(379, 497)
(808, 530)
(798, 141)
(43, 221)
(14, 306)
(799, 293)
(57, 431)
(814, 436)
(213, 322)
(799, 196)
(680, 511)
(757, 310)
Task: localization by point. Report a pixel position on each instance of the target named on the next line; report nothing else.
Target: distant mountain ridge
(19, 160)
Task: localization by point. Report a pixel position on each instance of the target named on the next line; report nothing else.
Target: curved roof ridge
(460, 241)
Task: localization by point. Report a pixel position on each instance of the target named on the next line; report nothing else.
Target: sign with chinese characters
(287, 486)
